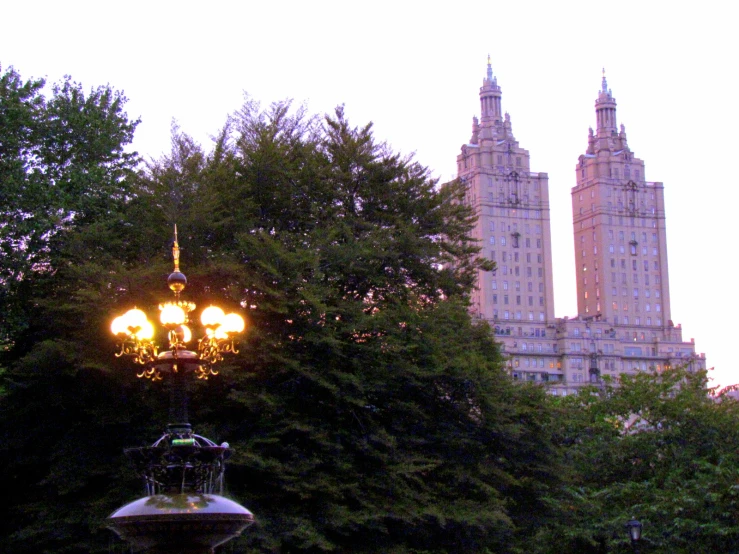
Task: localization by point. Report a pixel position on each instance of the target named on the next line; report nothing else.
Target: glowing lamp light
(145, 331)
(119, 327)
(184, 333)
(135, 318)
(233, 323)
(212, 316)
(133, 322)
(135, 334)
(172, 315)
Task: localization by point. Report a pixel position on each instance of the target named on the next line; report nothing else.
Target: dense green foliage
(658, 448)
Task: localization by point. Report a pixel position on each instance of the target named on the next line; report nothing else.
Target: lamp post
(183, 511)
(634, 528)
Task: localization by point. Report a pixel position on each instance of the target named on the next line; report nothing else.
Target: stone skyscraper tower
(513, 207)
(619, 223)
(624, 323)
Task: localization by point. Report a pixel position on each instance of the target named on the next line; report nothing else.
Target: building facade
(624, 321)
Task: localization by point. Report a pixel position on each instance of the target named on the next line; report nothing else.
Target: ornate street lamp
(183, 472)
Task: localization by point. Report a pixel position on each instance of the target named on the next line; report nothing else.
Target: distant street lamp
(634, 527)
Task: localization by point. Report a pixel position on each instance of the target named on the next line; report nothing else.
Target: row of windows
(471, 160)
(621, 237)
(635, 264)
(532, 332)
(613, 190)
(517, 284)
(530, 347)
(514, 199)
(636, 292)
(517, 315)
(633, 250)
(622, 250)
(624, 292)
(507, 180)
(637, 320)
(632, 221)
(503, 241)
(633, 236)
(635, 278)
(518, 300)
(652, 210)
(514, 257)
(647, 307)
(516, 270)
(497, 211)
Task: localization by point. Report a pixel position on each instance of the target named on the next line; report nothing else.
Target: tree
(366, 410)
(63, 166)
(65, 180)
(658, 447)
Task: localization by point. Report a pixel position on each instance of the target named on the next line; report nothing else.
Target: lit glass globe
(172, 314)
(119, 327)
(145, 332)
(135, 318)
(233, 323)
(212, 316)
(183, 333)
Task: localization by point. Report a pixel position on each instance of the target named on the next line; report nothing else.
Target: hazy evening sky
(415, 68)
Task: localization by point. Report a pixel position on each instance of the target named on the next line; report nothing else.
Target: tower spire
(605, 110)
(490, 97)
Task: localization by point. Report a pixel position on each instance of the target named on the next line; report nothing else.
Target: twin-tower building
(624, 323)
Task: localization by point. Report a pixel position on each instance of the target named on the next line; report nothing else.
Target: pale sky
(415, 69)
